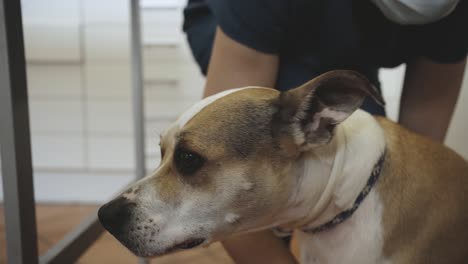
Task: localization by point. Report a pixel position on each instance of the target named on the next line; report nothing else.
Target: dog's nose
(116, 215)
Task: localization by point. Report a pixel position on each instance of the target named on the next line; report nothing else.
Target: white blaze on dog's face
(224, 170)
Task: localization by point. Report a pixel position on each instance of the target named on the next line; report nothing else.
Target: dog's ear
(312, 110)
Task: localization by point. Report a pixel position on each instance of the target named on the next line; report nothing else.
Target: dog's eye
(187, 162)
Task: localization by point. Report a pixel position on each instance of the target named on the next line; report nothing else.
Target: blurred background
(79, 82)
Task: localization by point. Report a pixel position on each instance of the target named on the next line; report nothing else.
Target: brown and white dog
(253, 158)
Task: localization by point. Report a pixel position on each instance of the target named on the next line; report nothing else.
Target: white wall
(392, 81)
(457, 137)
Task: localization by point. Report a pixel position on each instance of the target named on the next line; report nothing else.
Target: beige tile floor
(54, 221)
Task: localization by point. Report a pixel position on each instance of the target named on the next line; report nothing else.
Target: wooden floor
(54, 221)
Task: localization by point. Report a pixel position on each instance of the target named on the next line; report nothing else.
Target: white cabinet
(51, 12)
(110, 152)
(52, 43)
(51, 30)
(162, 25)
(58, 151)
(106, 11)
(80, 83)
(162, 53)
(108, 43)
(169, 71)
(108, 80)
(56, 116)
(54, 81)
(112, 116)
(168, 110)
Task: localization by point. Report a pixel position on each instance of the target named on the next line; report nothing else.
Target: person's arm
(429, 96)
(234, 65)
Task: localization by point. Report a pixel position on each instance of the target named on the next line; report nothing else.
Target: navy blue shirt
(311, 37)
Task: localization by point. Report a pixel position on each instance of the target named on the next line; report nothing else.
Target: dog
(354, 188)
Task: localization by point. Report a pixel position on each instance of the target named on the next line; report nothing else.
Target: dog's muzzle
(141, 234)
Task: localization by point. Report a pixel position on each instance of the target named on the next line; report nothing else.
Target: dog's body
(252, 159)
(416, 213)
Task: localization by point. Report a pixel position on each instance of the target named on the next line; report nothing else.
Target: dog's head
(228, 164)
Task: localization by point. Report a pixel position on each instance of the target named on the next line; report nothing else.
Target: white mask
(415, 11)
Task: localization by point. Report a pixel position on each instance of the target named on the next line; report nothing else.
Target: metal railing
(20, 216)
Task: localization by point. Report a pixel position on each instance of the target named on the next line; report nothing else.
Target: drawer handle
(160, 4)
(156, 45)
(168, 82)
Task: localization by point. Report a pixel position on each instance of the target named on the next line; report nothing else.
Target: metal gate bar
(75, 243)
(18, 191)
(16, 149)
(137, 94)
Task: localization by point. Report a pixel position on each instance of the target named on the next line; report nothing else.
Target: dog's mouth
(187, 244)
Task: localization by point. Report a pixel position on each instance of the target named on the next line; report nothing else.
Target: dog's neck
(329, 178)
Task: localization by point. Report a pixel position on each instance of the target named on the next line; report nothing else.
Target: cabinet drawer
(169, 71)
(106, 11)
(173, 81)
(117, 153)
(116, 116)
(51, 12)
(108, 80)
(107, 43)
(162, 52)
(193, 87)
(109, 116)
(54, 43)
(52, 81)
(162, 23)
(167, 110)
(57, 151)
(162, 33)
(108, 152)
(56, 115)
(171, 91)
(165, 13)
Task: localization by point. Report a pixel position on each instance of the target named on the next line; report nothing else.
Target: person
(284, 43)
